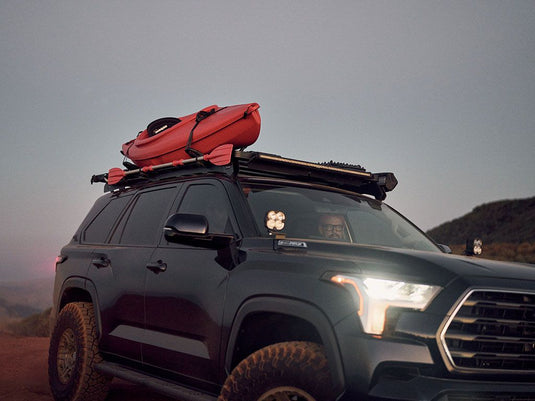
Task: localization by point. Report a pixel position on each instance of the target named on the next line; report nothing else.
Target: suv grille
(492, 331)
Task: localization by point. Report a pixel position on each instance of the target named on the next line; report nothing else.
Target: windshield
(335, 216)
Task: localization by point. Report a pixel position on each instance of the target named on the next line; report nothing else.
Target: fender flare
(87, 286)
(301, 310)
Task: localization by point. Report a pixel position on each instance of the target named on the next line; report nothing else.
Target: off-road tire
(291, 370)
(73, 354)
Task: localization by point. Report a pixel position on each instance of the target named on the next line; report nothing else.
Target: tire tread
(90, 385)
(297, 363)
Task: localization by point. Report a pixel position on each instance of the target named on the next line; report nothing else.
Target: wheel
(72, 355)
(290, 371)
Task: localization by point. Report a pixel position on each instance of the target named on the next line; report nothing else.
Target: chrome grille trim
(490, 331)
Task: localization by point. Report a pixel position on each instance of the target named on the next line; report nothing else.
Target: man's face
(332, 227)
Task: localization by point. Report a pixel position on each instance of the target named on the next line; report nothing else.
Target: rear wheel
(72, 355)
(290, 371)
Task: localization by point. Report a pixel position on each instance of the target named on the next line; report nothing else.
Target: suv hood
(429, 267)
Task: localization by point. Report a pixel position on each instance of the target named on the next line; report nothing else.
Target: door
(118, 270)
(184, 303)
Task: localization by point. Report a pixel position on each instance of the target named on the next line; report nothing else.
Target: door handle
(157, 267)
(101, 262)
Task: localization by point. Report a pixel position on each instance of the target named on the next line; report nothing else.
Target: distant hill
(506, 221)
(25, 306)
(12, 311)
(34, 293)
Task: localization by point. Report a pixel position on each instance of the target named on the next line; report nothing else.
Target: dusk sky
(442, 93)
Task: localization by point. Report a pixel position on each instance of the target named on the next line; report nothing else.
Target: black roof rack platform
(258, 164)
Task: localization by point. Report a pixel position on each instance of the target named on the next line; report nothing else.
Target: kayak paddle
(220, 156)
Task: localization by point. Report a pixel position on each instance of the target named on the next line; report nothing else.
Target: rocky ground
(23, 373)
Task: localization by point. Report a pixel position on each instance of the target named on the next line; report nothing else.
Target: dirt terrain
(23, 373)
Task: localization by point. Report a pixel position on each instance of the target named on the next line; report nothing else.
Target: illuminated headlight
(275, 220)
(374, 296)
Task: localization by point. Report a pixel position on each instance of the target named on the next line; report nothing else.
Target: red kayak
(168, 139)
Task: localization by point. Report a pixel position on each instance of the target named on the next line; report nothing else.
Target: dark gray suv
(277, 279)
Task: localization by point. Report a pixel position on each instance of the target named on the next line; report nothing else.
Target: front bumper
(436, 389)
(408, 370)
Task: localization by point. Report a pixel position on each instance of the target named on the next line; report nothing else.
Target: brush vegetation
(36, 325)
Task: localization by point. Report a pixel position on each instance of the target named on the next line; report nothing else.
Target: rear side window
(98, 230)
(145, 223)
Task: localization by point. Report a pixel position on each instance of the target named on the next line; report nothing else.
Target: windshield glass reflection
(334, 216)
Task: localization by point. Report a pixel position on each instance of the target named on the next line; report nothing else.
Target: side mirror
(185, 224)
(192, 229)
(444, 248)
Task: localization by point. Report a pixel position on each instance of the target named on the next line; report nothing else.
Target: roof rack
(339, 175)
(258, 164)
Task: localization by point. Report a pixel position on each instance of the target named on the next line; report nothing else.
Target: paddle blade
(220, 156)
(115, 175)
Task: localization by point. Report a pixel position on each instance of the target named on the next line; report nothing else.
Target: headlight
(374, 296)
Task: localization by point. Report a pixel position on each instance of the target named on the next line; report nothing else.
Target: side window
(97, 231)
(211, 202)
(145, 221)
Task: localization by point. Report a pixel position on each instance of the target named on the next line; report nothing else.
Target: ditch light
(474, 247)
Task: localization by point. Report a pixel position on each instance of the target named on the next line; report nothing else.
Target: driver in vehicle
(332, 226)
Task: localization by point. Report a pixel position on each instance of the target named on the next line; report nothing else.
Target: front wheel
(72, 355)
(292, 371)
